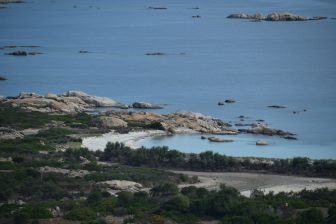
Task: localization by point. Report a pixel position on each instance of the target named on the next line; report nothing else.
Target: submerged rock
(155, 54)
(277, 106)
(144, 105)
(157, 8)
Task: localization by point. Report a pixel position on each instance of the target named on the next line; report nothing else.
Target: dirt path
(245, 182)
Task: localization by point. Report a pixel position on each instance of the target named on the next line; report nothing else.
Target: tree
(310, 216)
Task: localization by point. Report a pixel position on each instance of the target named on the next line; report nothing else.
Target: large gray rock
(95, 101)
(110, 122)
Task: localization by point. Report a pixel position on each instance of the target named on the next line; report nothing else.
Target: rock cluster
(69, 102)
(177, 122)
(264, 130)
(275, 16)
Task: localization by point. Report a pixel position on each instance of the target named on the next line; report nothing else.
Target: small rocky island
(275, 16)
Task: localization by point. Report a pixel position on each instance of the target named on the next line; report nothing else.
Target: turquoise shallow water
(258, 64)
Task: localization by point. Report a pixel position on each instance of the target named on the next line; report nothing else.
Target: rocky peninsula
(124, 124)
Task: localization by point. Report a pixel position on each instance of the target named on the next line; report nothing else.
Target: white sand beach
(131, 139)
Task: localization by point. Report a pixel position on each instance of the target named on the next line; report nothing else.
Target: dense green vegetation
(162, 157)
(20, 119)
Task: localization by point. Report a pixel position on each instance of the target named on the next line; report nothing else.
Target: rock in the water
(110, 122)
(262, 129)
(214, 139)
(275, 16)
(261, 142)
(23, 53)
(290, 137)
(155, 54)
(285, 16)
(230, 101)
(277, 106)
(144, 105)
(2, 78)
(157, 8)
(239, 16)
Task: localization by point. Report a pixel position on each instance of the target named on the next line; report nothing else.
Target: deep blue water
(256, 63)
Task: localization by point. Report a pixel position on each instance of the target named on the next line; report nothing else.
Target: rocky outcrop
(275, 16)
(9, 134)
(122, 185)
(144, 105)
(110, 122)
(215, 139)
(178, 122)
(94, 101)
(69, 102)
(70, 173)
(262, 129)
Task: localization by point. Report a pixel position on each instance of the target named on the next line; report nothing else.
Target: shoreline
(130, 139)
(245, 183)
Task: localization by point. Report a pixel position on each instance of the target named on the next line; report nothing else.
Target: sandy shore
(131, 139)
(245, 182)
